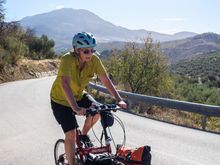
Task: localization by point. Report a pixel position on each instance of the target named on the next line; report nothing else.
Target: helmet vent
(93, 41)
(86, 42)
(88, 36)
(79, 42)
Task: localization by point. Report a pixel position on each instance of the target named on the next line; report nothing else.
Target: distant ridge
(199, 45)
(61, 24)
(190, 47)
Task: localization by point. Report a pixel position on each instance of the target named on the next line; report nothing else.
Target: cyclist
(68, 97)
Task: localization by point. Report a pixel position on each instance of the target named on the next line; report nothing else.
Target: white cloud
(59, 7)
(54, 6)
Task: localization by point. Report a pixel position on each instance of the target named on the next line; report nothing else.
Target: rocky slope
(27, 69)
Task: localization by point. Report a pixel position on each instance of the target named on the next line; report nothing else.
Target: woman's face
(85, 54)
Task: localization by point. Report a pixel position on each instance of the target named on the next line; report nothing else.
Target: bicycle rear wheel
(59, 153)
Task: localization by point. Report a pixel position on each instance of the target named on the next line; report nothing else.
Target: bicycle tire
(59, 153)
(60, 156)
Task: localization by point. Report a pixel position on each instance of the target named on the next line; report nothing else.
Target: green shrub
(14, 50)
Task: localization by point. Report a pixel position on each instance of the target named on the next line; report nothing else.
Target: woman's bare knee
(70, 135)
(95, 118)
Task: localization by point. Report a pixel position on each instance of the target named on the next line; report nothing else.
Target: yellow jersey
(69, 67)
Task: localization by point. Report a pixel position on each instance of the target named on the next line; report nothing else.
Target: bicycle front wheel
(59, 153)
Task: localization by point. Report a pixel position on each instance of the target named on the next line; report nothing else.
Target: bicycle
(83, 152)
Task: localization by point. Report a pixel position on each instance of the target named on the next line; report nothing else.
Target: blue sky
(165, 16)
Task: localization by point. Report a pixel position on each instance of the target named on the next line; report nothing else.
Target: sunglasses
(87, 51)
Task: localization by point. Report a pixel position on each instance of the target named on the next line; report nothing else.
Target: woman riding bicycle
(68, 97)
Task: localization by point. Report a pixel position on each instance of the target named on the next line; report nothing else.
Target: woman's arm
(111, 88)
(65, 82)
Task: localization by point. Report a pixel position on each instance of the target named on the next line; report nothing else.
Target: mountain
(60, 25)
(190, 47)
(182, 35)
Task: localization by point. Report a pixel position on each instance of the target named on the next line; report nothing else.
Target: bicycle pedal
(84, 139)
(81, 143)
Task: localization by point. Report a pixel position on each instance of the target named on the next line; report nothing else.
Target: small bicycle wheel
(59, 153)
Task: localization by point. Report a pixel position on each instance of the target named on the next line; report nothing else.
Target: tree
(11, 51)
(2, 15)
(113, 65)
(41, 48)
(17, 42)
(141, 69)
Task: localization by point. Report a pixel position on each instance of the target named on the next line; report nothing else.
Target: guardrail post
(204, 119)
(129, 104)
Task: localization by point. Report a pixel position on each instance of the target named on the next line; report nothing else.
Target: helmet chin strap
(97, 53)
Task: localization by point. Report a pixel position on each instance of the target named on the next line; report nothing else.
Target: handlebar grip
(104, 107)
(91, 112)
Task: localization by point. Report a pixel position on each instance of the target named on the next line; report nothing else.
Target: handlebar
(101, 108)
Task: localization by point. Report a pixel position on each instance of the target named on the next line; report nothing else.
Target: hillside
(204, 69)
(191, 47)
(61, 24)
(27, 69)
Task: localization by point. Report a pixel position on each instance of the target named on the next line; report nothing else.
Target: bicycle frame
(92, 150)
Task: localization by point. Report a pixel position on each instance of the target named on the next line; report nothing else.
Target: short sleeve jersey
(69, 67)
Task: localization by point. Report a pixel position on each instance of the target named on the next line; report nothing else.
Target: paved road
(28, 131)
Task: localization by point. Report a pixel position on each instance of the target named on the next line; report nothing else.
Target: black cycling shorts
(65, 115)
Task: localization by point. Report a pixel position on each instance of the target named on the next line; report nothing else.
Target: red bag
(138, 156)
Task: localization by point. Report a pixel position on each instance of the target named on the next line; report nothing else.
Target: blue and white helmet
(83, 40)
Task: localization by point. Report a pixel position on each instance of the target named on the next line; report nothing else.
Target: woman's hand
(122, 104)
(81, 111)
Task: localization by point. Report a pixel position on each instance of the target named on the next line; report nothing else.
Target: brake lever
(116, 108)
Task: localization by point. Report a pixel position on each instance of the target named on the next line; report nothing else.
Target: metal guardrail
(203, 109)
